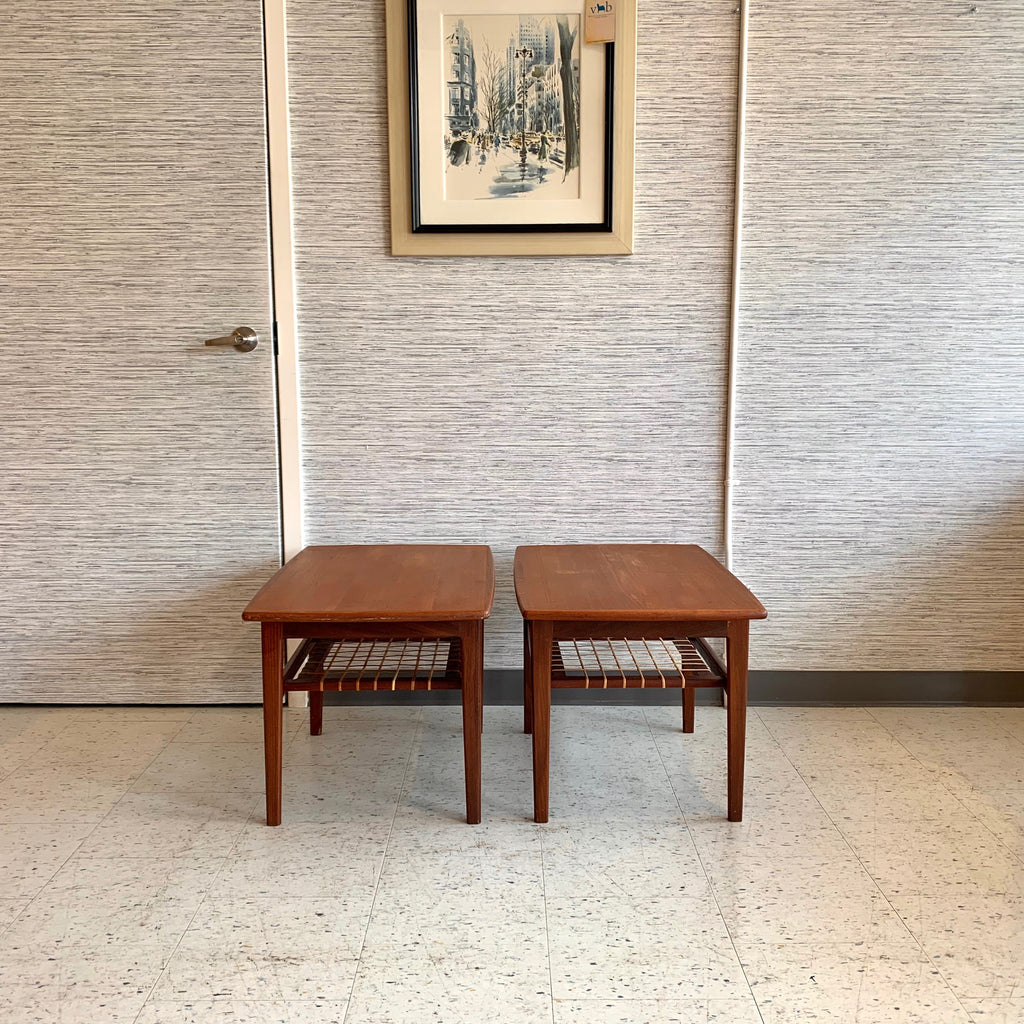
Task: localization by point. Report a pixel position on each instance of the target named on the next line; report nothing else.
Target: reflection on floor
(878, 875)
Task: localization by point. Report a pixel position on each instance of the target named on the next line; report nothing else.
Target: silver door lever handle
(245, 339)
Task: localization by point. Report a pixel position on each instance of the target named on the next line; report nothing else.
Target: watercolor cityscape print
(511, 106)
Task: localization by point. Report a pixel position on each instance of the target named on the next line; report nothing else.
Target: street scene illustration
(511, 111)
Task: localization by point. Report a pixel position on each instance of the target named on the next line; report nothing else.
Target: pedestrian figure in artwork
(459, 151)
(543, 152)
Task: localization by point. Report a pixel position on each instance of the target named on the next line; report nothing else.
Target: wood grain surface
(379, 583)
(645, 582)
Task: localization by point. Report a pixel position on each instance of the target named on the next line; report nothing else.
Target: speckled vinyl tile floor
(877, 875)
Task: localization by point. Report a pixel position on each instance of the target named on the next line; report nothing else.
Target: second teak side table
(632, 615)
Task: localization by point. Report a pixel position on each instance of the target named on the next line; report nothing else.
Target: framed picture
(509, 133)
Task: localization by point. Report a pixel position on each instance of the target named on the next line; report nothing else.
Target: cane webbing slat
(648, 663)
(376, 664)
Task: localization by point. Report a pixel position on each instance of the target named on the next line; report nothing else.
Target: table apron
(634, 630)
(374, 630)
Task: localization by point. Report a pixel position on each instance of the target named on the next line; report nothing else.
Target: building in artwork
(462, 113)
(539, 37)
(543, 96)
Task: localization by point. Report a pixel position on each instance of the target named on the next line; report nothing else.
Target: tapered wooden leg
(527, 680)
(737, 651)
(480, 648)
(472, 639)
(273, 713)
(541, 686)
(316, 712)
(689, 701)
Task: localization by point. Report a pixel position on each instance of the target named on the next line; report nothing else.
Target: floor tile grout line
(95, 825)
(39, 892)
(665, 753)
(225, 861)
(14, 769)
(959, 799)
(860, 861)
(547, 929)
(913, 757)
(383, 860)
(199, 906)
(842, 834)
(135, 780)
(170, 956)
(858, 858)
(868, 873)
(703, 867)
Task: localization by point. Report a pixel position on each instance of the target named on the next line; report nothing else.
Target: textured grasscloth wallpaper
(139, 494)
(511, 401)
(879, 472)
(880, 469)
(880, 463)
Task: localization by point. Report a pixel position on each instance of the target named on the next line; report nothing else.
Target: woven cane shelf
(375, 664)
(650, 663)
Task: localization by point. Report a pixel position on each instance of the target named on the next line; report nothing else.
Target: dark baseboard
(880, 688)
(505, 686)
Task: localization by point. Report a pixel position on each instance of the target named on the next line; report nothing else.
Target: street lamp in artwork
(524, 54)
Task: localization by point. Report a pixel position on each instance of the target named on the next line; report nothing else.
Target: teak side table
(632, 615)
(375, 617)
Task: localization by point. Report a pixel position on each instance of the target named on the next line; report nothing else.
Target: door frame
(282, 276)
(282, 257)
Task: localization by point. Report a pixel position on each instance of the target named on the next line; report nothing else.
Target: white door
(140, 508)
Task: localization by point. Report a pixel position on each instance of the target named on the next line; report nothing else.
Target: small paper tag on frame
(600, 21)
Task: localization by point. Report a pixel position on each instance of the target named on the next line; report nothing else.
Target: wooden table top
(379, 583)
(623, 582)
